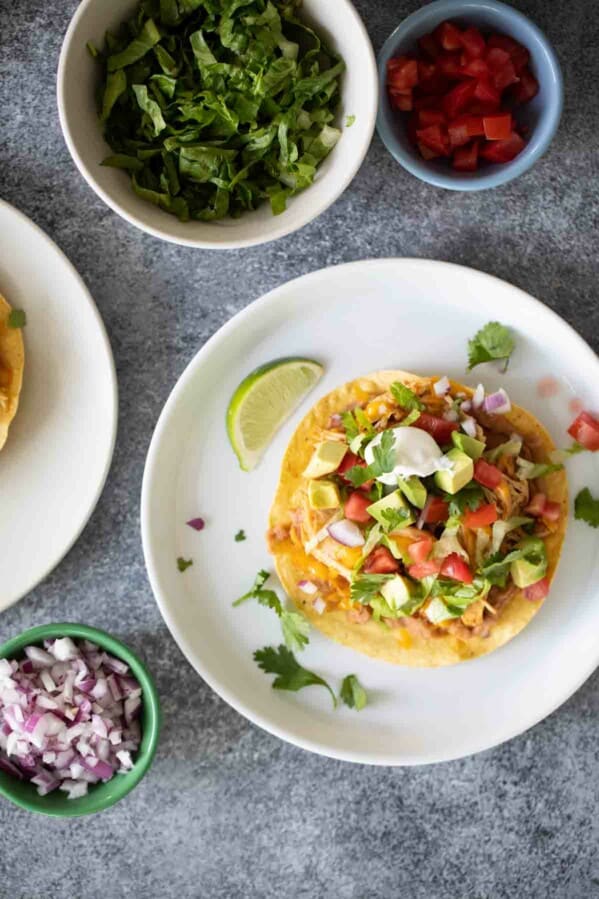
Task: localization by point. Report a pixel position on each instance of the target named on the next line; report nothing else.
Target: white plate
(410, 314)
(55, 462)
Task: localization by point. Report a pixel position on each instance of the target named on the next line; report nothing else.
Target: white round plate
(398, 313)
(59, 447)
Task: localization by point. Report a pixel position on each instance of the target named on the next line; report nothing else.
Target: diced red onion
(334, 420)
(478, 397)
(466, 406)
(497, 403)
(319, 605)
(55, 735)
(451, 415)
(197, 524)
(308, 587)
(469, 426)
(441, 386)
(346, 532)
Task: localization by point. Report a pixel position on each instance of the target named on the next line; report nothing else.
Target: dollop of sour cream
(415, 453)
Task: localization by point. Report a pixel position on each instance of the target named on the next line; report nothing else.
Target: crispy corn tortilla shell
(397, 645)
(12, 356)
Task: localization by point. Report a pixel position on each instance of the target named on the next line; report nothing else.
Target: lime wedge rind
(264, 401)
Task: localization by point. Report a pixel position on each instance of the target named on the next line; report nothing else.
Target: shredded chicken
(359, 614)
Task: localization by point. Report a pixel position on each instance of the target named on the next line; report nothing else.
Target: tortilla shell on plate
(373, 638)
(12, 357)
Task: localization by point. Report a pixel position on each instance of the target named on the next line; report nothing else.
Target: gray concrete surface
(229, 811)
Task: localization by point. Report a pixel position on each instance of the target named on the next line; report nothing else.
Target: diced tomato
(487, 92)
(454, 567)
(437, 427)
(424, 569)
(432, 101)
(518, 54)
(412, 127)
(486, 474)
(435, 511)
(526, 89)
(503, 150)
(465, 159)
(458, 98)
(462, 129)
(449, 36)
(585, 430)
(428, 117)
(537, 591)
(435, 138)
(482, 517)
(427, 153)
(552, 511)
(402, 73)
(498, 126)
(473, 42)
(356, 507)
(497, 58)
(505, 76)
(419, 550)
(380, 561)
(429, 46)
(536, 506)
(450, 65)
(403, 100)
(475, 68)
(427, 71)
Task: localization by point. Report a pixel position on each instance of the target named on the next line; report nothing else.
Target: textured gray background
(227, 810)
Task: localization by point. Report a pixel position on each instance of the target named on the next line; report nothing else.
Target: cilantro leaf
(296, 629)
(365, 586)
(184, 564)
(290, 674)
(239, 536)
(352, 693)
(17, 318)
(358, 475)
(469, 497)
(405, 397)
(383, 454)
(493, 341)
(295, 626)
(410, 418)
(394, 518)
(586, 508)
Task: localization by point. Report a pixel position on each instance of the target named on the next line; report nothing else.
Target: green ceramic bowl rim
(100, 796)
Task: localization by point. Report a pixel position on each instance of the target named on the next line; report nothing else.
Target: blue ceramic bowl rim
(543, 133)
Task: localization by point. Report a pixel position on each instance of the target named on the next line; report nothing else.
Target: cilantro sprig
(493, 341)
(366, 586)
(240, 536)
(586, 508)
(290, 675)
(352, 693)
(383, 461)
(469, 497)
(405, 397)
(184, 564)
(295, 627)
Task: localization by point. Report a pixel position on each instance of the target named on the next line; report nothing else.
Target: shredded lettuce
(227, 104)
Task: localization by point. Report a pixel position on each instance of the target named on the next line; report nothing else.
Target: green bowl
(100, 796)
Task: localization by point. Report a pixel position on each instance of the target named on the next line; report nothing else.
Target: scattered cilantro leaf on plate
(240, 536)
(586, 508)
(296, 630)
(493, 341)
(290, 675)
(353, 693)
(184, 564)
(295, 627)
(17, 318)
(405, 397)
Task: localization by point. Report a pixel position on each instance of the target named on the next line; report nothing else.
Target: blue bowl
(541, 115)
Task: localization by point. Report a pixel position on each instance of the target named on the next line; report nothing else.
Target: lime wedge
(263, 401)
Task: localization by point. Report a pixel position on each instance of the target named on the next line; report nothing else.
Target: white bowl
(78, 76)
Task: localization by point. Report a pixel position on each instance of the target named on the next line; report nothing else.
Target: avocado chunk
(461, 472)
(414, 491)
(387, 511)
(396, 592)
(526, 573)
(323, 495)
(325, 459)
(470, 446)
